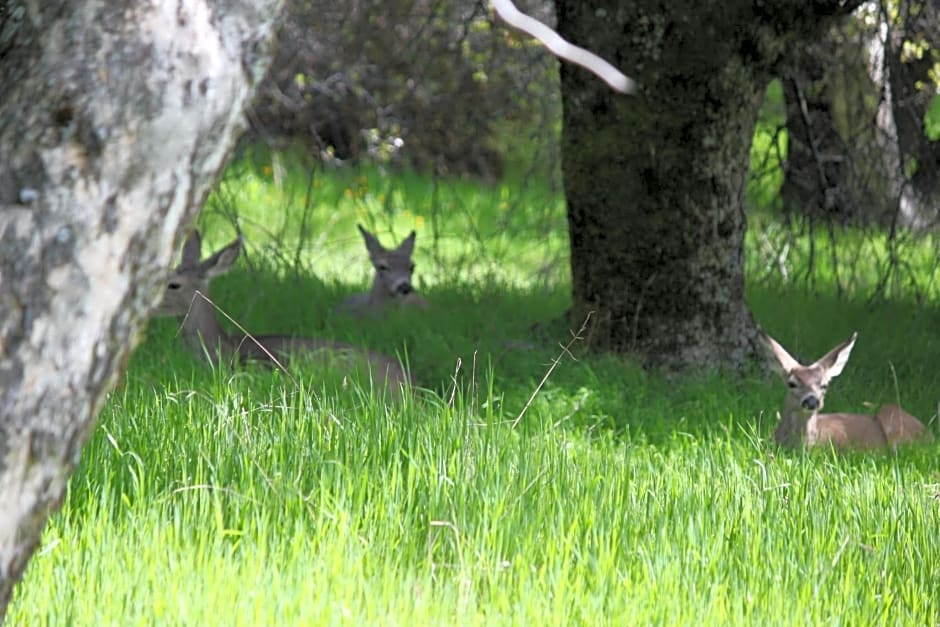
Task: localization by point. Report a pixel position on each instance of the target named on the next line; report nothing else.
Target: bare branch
(565, 350)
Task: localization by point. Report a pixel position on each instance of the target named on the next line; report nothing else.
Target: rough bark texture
(832, 170)
(115, 117)
(909, 54)
(855, 116)
(655, 183)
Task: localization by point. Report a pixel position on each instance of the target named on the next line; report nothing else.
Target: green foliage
(932, 119)
(619, 496)
(768, 151)
(443, 86)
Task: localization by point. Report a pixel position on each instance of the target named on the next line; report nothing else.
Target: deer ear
(192, 248)
(780, 360)
(834, 361)
(372, 243)
(223, 260)
(407, 247)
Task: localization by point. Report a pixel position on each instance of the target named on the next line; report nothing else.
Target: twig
(249, 336)
(565, 350)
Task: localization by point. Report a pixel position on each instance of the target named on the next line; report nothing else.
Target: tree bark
(655, 184)
(830, 173)
(856, 102)
(910, 54)
(115, 118)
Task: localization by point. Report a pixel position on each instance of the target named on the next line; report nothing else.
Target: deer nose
(404, 289)
(810, 402)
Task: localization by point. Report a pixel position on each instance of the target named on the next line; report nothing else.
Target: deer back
(845, 431)
(186, 297)
(802, 423)
(901, 427)
(382, 368)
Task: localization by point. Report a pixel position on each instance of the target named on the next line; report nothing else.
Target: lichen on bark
(655, 183)
(120, 117)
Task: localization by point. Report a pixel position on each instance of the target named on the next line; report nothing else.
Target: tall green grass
(616, 496)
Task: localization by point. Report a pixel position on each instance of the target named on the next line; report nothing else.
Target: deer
(187, 297)
(802, 424)
(392, 282)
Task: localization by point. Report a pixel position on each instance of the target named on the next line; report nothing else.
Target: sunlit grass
(619, 496)
(511, 232)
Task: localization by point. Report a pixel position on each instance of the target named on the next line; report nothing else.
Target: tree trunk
(855, 116)
(114, 121)
(830, 173)
(655, 184)
(910, 53)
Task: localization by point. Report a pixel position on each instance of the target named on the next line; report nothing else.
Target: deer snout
(404, 288)
(810, 402)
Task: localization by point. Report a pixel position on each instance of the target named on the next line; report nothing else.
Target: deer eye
(174, 285)
(792, 384)
(381, 266)
(824, 386)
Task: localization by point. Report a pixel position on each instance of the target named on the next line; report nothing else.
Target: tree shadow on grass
(480, 338)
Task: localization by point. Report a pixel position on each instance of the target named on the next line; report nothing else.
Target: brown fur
(203, 333)
(392, 282)
(802, 424)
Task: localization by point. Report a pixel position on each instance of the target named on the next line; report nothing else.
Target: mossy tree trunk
(655, 183)
(114, 122)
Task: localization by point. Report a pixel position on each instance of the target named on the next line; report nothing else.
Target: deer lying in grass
(802, 424)
(203, 333)
(392, 282)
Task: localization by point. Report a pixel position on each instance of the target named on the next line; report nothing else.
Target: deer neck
(202, 331)
(378, 294)
(794, 423)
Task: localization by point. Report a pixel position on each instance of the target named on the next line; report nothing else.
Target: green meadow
(602, 494)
